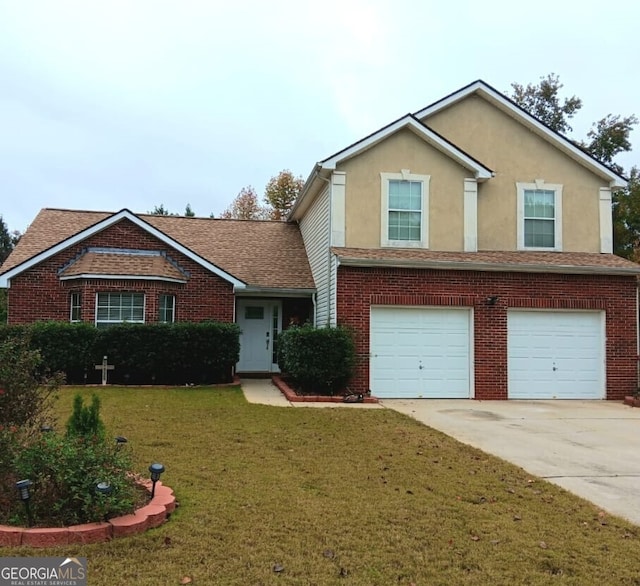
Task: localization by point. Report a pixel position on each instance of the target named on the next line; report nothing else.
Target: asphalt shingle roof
(110, 263)
(491, 260)
(266, 254)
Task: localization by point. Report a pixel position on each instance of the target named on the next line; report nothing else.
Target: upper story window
(115, 308)
(75, 307)
(539, 216)
(405, 205)
(167, 309)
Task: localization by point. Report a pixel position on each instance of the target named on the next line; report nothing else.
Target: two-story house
(468, 246)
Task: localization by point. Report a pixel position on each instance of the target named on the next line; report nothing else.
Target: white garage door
(556, 355)
(420, 352)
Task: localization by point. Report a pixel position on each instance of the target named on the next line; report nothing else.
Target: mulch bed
(295, 395)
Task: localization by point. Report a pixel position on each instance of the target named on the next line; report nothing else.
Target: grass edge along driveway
(274, 495)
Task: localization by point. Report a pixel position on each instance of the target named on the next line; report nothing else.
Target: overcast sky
(136, 103)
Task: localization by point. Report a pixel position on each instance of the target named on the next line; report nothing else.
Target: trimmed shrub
(179, 353)
(65, 347)
(318, 360)
(85, 422)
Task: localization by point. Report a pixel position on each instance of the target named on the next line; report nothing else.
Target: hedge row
(180, 353)
(317, 360)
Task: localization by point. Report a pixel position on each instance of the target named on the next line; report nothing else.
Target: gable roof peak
(507, 105)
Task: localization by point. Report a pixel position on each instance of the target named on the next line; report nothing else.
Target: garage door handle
(421, 367)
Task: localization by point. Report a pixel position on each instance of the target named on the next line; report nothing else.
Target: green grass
(339, 496)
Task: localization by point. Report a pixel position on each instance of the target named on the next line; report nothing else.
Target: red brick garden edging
(153, 514)
(291, 395)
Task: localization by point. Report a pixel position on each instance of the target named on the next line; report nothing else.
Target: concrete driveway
(591, 448)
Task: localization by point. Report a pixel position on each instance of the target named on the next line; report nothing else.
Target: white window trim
(72, 306)
(404, 175)
(173, 308)
(540, 184)
(144, 308)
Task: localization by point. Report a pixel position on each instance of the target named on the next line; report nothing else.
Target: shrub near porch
(317, 360)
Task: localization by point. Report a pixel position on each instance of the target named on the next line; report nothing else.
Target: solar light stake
(155, 470)
(120, 440)
(46, 429)
(105, 489)
(24, 495)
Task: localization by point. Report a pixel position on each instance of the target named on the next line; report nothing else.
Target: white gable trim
(481, 172)
(481, 88)
(104, 277)
(106, 223)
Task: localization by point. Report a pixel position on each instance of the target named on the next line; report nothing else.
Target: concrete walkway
(590, 448)
(264, 392)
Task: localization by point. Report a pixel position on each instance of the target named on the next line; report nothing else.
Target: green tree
(607, 138)
(188, 212)
(160, 211)
(3, 306)
(543, 102)
(626, 218)
(8, 240)
(280, 193)
(245, 206)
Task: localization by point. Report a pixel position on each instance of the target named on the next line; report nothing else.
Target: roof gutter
(315, 172)
(482, 266)
(274, 292)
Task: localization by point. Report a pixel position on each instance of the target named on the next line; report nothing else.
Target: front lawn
(338, 496)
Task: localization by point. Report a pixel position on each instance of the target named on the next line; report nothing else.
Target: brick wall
(359, 288)
(38, 294)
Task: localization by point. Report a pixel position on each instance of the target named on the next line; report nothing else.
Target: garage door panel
(419, 352)
(555, 355)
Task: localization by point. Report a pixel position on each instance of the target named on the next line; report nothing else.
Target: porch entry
(260, 322)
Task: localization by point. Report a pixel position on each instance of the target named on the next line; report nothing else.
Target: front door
(260, 322)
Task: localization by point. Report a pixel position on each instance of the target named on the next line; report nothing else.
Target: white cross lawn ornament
(104, 367)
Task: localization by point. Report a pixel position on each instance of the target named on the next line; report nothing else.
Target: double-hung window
(75, 307)
(539, 216)
(115, 308)
(167, 308)
(405, 204)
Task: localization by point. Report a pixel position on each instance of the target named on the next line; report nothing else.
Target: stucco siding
(517, 154)
(404, 150)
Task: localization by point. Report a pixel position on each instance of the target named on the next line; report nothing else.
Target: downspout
(315, 309)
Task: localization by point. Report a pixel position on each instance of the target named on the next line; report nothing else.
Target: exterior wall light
(156, 470)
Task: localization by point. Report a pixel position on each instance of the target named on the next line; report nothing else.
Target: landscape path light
(24, 495)
(155, 469)
(120, 441)
(104, 489)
